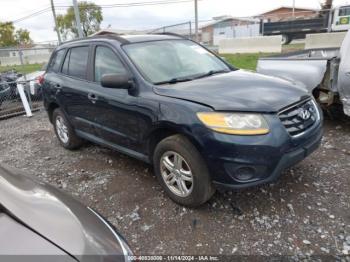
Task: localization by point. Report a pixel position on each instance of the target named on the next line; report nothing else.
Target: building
(284, 13)
(228, 27)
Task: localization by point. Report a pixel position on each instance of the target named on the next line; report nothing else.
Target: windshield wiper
(186, 79)
(174, 81)
(212, 72)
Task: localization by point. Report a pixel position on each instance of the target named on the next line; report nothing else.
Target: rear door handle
(57, 87)
(92, 97)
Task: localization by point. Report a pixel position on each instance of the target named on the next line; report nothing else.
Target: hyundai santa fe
(168, 101)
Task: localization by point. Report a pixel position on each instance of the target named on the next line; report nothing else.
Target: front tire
(182, 171)
(64, 131)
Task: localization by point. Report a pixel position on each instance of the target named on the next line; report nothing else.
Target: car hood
(237, 91)
(23, 242)
(57, 217)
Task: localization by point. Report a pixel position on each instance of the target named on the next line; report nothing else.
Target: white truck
(324, 72)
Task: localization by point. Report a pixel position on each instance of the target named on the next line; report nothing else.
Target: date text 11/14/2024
(173, 258)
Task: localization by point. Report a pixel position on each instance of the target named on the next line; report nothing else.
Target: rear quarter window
(56, 61)
(65, 64)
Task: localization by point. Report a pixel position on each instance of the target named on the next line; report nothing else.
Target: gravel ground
(305, 213)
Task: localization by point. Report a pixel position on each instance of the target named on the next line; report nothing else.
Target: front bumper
(237, 162)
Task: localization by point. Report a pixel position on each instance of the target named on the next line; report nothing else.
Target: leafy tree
(90, 18)
(327, 4)
(11, 37)
(7, 31)
(22, 37)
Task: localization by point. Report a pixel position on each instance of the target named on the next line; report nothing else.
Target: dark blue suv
(170, 102)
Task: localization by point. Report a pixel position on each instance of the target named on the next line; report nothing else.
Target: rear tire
(286, 39)
(64, 131)
(182, 172)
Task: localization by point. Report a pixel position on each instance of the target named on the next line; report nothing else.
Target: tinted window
(77, 64)
(56, 61)
(106, 62)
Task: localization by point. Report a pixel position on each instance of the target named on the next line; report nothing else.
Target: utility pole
(327, 7)
(328, 4)
(77, 18)
(196, 20)
(293, 8)
(56, 26)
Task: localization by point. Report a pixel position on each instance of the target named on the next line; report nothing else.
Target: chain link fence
(21, 70)
(185, 29)
(20, 94)
(15, 56)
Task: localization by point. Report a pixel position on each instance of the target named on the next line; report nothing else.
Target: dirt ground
(306, 212)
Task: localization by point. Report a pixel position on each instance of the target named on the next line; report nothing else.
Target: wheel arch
(51, 108)
(165, 130)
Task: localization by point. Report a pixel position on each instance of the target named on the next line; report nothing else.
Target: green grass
(24, 69)
(249, 61)
(244, 61)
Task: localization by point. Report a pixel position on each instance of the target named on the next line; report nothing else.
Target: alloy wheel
(176, 174)
(62, 130)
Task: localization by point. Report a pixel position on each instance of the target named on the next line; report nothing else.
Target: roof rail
(109, 35)
(169, 33)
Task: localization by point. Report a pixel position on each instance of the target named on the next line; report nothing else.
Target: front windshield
(169, 60)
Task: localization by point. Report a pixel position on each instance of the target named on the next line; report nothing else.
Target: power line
(31, 15)
(135, 4)
(147, 3)
(28, 12)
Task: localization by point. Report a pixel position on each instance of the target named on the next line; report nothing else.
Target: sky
(142, 17)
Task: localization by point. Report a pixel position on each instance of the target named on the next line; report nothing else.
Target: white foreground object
(24, 100)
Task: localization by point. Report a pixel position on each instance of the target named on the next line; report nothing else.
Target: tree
(7, 34)
(11, 37)
(22, 37)
(327, 4)
(90, 18)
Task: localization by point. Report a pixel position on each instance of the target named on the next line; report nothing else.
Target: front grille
(299, 118)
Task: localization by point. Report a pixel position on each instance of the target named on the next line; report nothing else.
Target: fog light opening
(244, 173)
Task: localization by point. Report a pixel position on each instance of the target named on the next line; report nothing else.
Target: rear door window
(76, 62)
(56, 61)
(107, 62)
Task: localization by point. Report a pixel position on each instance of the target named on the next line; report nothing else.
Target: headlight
(235, 123)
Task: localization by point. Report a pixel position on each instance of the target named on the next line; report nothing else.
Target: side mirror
(120, 81)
